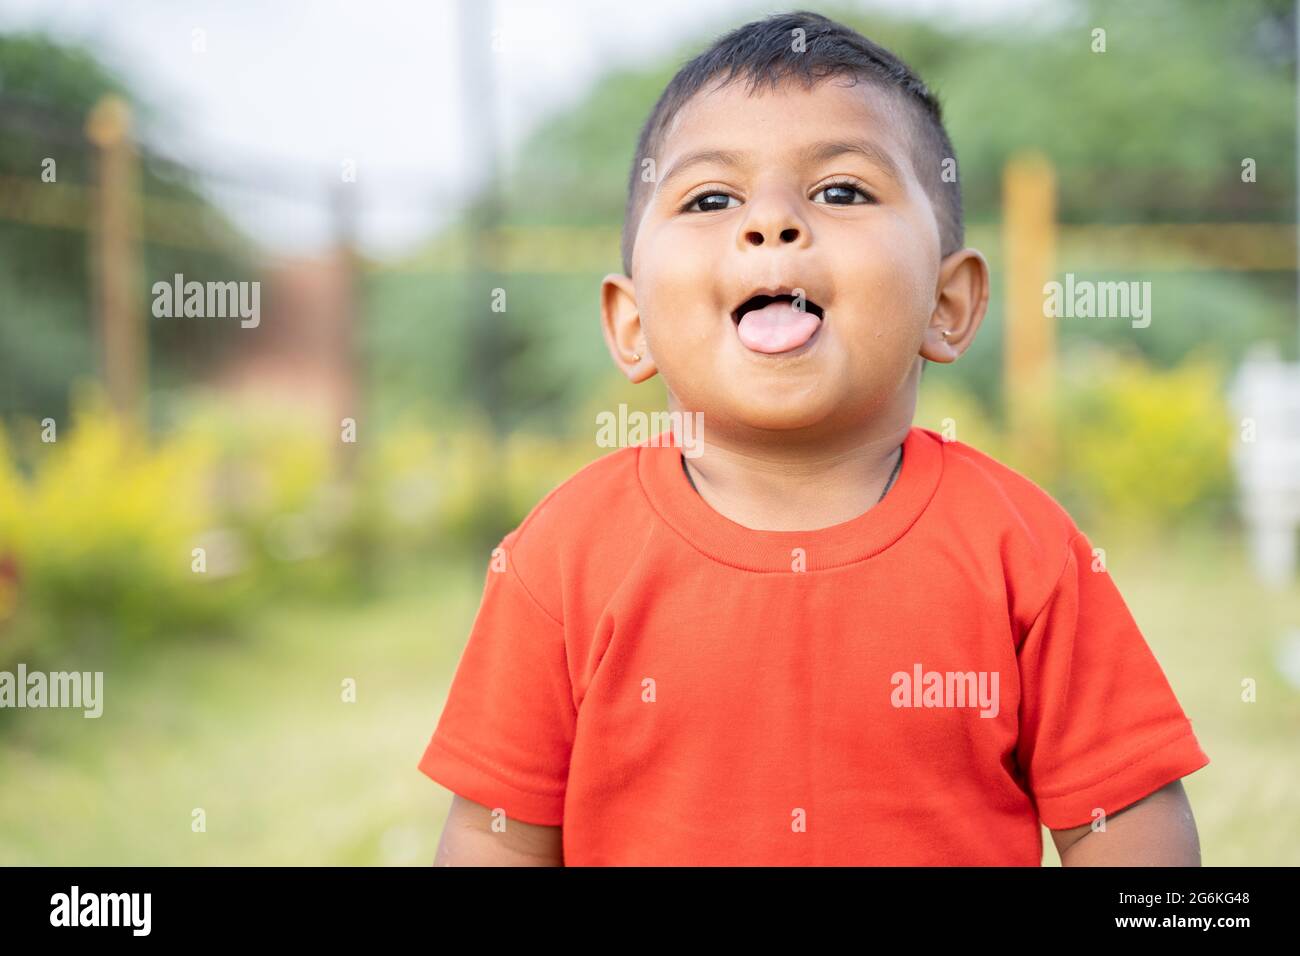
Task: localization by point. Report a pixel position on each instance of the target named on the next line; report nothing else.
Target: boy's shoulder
(590, 528)
(604, 498)
(976, 472)
(585, 528)
(997, 498)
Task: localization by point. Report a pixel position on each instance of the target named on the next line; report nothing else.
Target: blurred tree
(46, 337)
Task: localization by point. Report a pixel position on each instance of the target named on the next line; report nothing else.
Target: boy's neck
(784, 487)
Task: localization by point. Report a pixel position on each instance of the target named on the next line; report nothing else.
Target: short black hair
(763, 52)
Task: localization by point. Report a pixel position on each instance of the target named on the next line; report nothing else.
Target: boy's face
(872, 266)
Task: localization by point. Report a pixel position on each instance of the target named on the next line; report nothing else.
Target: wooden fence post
(1029, 341)
(116, 258)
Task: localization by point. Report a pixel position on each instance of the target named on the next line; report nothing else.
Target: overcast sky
(295, 87)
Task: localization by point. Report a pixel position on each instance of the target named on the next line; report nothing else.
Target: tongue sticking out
(777, 327)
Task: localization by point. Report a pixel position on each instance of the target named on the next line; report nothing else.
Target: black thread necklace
(889, 484)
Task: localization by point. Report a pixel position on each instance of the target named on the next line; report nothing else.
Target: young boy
(831, 638)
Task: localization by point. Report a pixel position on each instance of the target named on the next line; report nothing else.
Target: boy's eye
(837, 194)
(708, 202)
(842, 194)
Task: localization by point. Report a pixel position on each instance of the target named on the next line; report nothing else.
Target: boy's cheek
(679, 283)
(682, 305)
(885, 292)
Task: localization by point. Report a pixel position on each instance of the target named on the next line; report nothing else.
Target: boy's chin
(808, 415)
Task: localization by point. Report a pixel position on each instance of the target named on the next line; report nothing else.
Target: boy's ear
(620, 320)
(961, 299)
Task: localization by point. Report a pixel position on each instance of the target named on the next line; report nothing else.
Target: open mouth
(776, 323)
(760, 301)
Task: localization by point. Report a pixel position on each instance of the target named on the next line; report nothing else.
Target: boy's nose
(775, 222)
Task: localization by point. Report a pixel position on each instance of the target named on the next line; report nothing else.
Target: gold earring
(636, 356)
(945, 333)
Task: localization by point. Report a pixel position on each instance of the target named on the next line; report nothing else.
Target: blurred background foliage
(46, 343)
(98, 529)
(96, 525)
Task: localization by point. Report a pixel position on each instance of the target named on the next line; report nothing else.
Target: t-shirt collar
(689, 515)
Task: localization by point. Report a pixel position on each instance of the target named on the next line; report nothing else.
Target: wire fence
(208, 221)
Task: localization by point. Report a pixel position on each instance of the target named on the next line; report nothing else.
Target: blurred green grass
(253, 730)
(1211, 624)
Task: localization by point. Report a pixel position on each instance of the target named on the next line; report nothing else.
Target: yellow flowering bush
(107, 529)
(100, 532)
(1144, 445)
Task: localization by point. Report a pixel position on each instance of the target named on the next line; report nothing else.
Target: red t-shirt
(920, 685)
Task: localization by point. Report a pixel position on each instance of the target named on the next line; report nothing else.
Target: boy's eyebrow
(874, 154)
(813, 154)
(723, 157)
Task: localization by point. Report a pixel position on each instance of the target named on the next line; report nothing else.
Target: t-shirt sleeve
(506, 730)
(1099, 724)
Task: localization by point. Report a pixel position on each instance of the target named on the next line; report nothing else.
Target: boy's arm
(469, 840)
(1158, 830)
